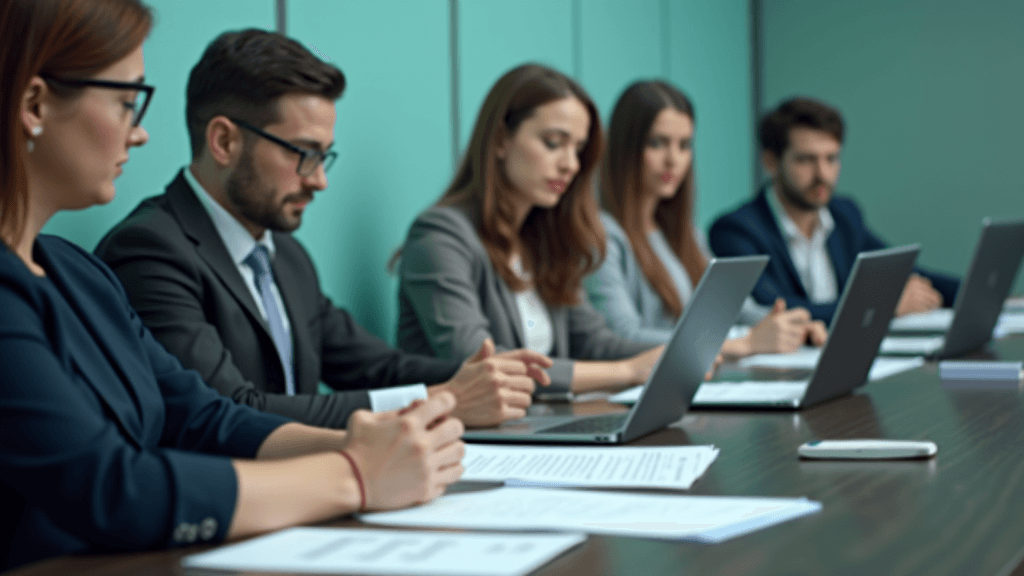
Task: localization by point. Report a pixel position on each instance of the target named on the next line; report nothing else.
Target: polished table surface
(960, 513)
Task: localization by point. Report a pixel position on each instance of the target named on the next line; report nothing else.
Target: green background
(931, 91)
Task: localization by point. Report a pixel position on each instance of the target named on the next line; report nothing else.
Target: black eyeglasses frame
(115, 85)
(325, 158)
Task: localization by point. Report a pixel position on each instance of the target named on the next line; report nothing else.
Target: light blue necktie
(259, 261)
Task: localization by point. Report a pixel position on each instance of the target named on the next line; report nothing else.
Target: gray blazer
(450, 299)
(630, 305)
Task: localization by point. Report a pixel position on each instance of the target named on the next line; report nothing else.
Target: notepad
(669, 467)
(671, 517)
(366, 551)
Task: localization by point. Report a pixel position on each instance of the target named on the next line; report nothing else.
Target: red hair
(55, 38)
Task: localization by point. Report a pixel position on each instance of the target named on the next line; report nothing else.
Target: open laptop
(979, 302)
(862, 318)
(688, 355)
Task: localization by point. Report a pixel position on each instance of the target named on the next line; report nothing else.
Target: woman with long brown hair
(504, 252)
(654, 253)
(108, 443)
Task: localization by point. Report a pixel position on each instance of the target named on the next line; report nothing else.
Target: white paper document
(934, 321)
(670, 467)
(772, 389)
(1010, 322)
(911, 344)
(365, 551)
(807, 358)
(669, 517)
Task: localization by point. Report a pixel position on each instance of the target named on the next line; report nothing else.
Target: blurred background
(932, 92)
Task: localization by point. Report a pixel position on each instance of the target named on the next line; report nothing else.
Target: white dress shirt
(537, 328)
(809, 255)
(240, 243)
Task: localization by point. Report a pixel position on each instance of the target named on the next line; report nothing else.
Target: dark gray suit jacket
(450, 298)
(183, 283)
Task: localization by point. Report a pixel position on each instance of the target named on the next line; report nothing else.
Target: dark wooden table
(961, 513)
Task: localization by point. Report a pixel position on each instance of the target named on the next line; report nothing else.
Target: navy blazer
(184, 284)
(752, 229)
(108, 444)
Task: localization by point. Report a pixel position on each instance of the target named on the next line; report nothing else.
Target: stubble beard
(254, 201)
(798, 200)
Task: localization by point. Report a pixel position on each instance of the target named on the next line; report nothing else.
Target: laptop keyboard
(597, 424)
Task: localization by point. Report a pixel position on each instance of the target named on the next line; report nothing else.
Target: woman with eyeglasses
(503, 253)
(108, 444)
(655, 256)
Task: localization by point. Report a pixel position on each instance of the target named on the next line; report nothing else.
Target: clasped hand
(491, 388)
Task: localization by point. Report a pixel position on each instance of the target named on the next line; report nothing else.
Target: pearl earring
(35, 131)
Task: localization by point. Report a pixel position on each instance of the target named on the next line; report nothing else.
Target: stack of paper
(696, 518)
(933, 321)
(1009, 323)
(805, 358)
(911, 344)
(363, 551)
(670, 467)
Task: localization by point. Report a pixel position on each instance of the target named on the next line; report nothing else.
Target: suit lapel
(780, 250)
(196, 224)
(98, 347)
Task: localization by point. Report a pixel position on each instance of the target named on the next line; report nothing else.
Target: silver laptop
(862, 318)
(688, 355)
(979, 302)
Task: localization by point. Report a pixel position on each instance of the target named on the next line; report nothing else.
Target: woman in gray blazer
(654, 255)
(504, 252)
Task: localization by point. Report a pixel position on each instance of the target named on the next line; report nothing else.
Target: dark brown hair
(622, 185)
(243, 73)
(806, 112)
(563, 243)
(53, 38)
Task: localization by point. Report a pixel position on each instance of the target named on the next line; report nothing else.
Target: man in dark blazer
(812, 236)
(212, 269)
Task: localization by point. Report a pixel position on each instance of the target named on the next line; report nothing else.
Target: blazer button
(192, 533)
(208, 529)
(180, 533)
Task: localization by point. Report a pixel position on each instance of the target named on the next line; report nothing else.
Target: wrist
(435, 389)
(355, 488)
(737, 347)
(632, 372)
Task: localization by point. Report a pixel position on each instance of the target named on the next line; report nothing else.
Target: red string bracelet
(359, 480)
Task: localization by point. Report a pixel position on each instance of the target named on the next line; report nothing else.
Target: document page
(911, 344)
(670, 517)
(670, 467)
(933, 321)
(1009, 323)
(807, 358)
(365, 551)
(882, 367)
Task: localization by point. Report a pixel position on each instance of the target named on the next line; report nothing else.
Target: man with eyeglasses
(212, 269)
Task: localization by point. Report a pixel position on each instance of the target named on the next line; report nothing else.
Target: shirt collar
(789, 228)
(236, 238)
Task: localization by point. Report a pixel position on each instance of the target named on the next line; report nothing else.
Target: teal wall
(174, 46)
(931, 91)
(405, 107)
(393, 138)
